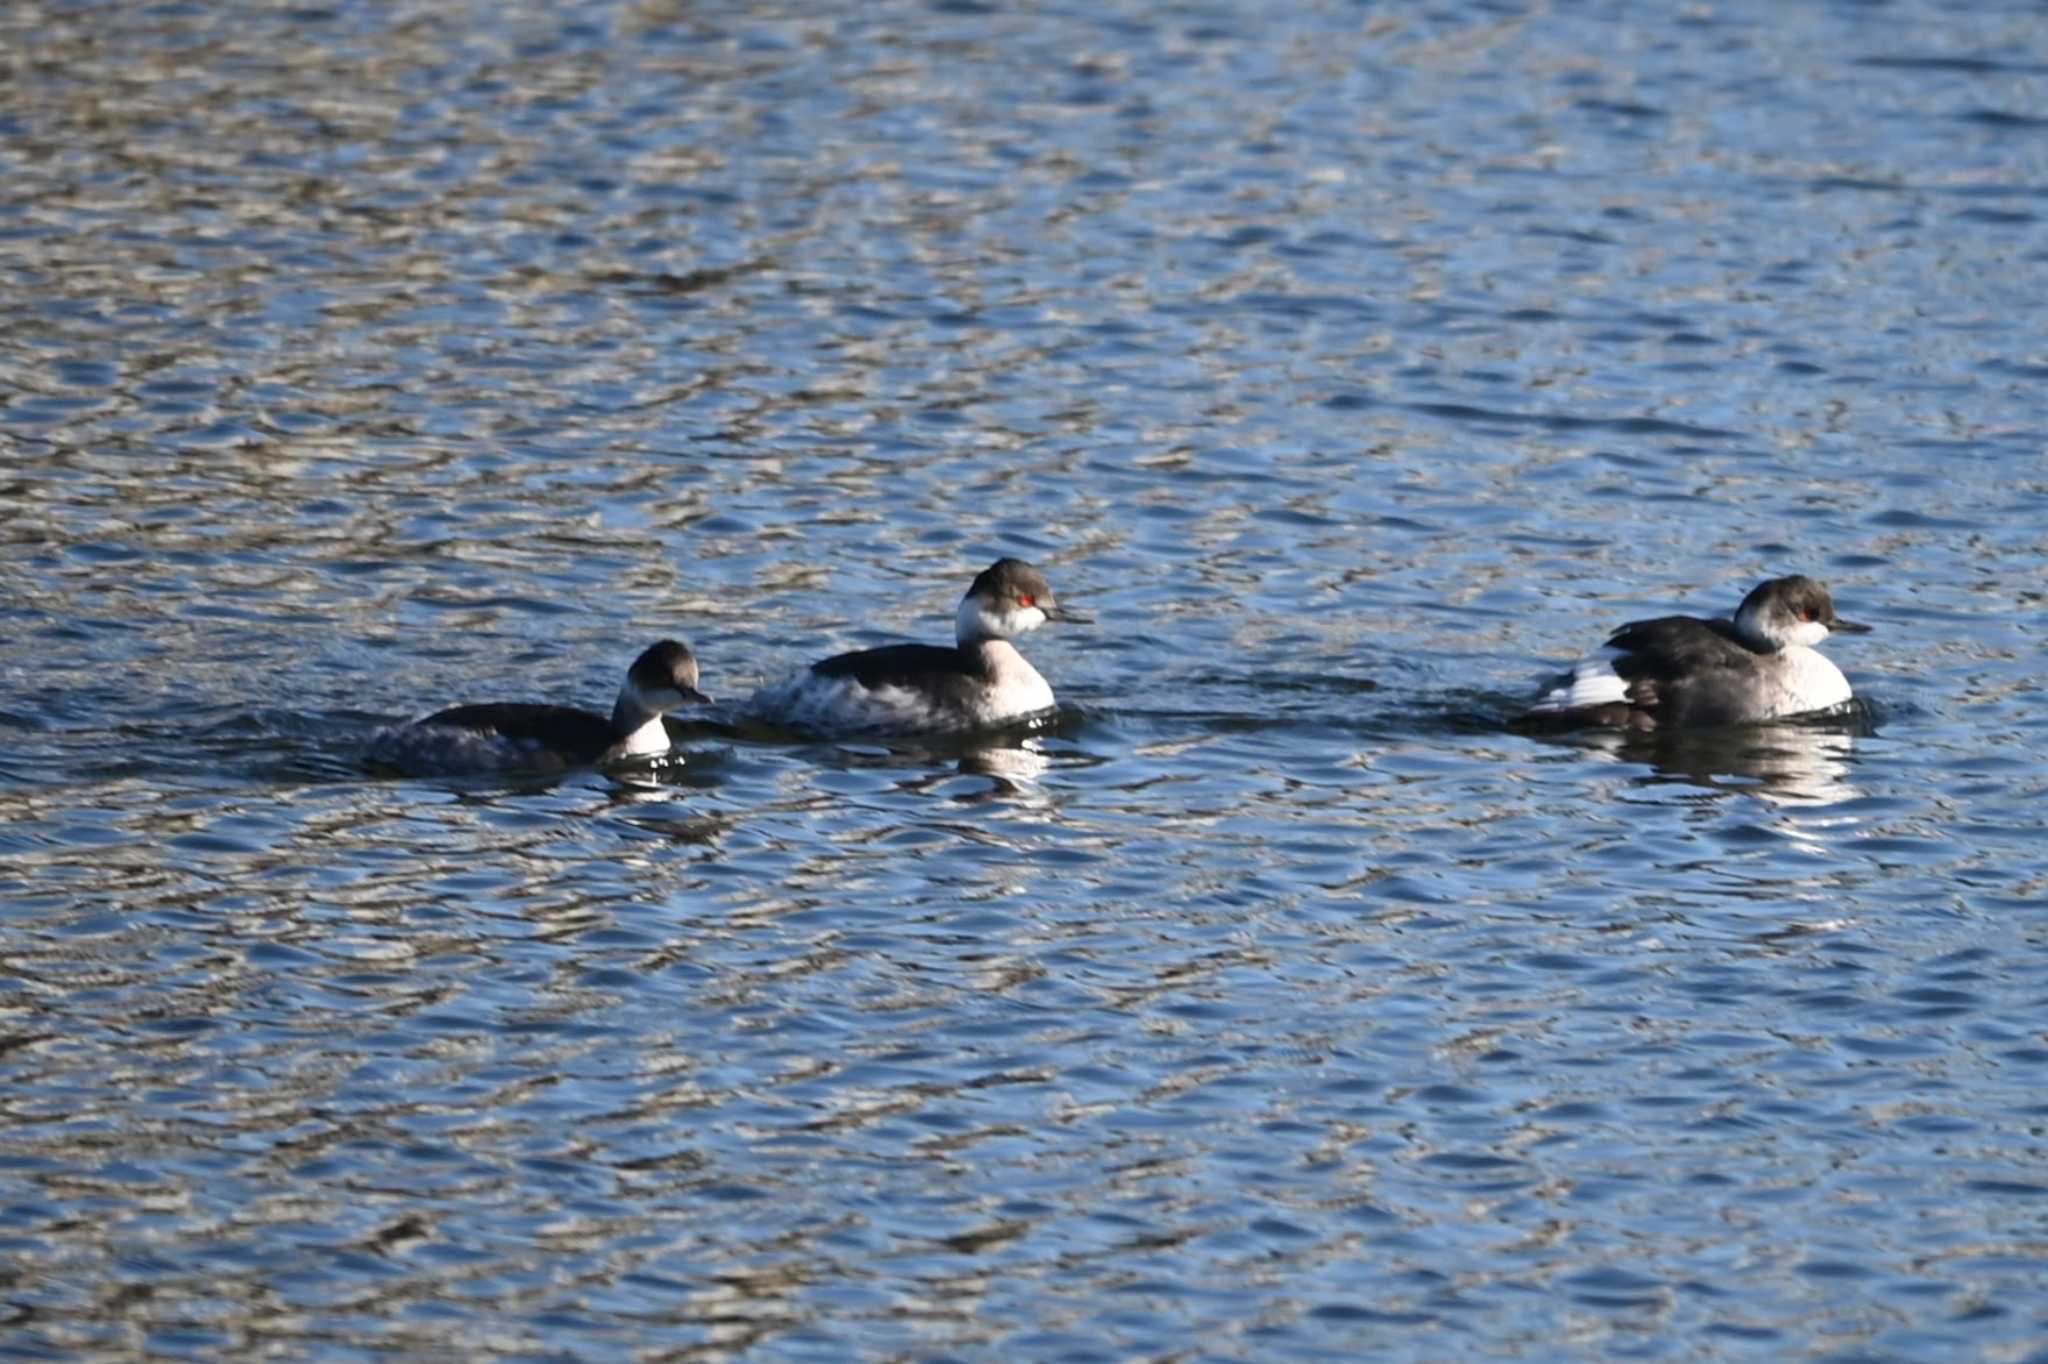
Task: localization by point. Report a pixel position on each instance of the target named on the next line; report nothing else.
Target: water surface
(1277, 1002)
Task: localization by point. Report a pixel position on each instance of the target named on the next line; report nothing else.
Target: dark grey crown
(1012, 580)
(1797, 598)
(667, 665)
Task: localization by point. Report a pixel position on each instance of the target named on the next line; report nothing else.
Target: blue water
(1351, 365)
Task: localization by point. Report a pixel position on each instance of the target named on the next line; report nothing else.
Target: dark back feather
(1678, 670)
(1671, 645)
(577, 734)
(951, 677)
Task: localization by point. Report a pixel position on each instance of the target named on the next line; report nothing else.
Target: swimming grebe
(523, 736)
(926, 688)
(1682, 671)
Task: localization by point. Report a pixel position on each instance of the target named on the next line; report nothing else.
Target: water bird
(1685, 672)
(978, 682)
(531, 737)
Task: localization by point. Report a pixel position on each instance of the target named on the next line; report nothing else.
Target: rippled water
(1352, 365)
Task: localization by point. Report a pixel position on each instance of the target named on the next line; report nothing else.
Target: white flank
(840, 706)
(1591, 682)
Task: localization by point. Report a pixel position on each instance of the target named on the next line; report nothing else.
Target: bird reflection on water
(1808, 761)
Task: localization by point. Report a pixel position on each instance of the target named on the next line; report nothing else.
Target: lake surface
(1352, 365)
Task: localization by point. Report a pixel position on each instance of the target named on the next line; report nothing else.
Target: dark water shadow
(1274, 702)
(1013, 756)
(675, 771)
(295, 748)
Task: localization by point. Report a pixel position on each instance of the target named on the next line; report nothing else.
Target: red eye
(1025, 601)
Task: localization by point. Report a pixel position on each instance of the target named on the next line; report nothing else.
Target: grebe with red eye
(1681, 671)
(981, 681)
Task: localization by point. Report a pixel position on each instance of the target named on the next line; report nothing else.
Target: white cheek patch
(1591, 682)
(971, 622)
(977, 621)
(1807, 632)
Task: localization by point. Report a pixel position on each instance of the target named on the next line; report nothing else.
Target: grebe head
(1007, 599)
(1794, 610)
(662, 678)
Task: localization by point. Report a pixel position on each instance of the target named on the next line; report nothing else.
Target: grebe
(1682, 671)
(980, 681)
(523, 736)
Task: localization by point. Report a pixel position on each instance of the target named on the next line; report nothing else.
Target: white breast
(1805, 680)
(1015, 690)
(647, 741)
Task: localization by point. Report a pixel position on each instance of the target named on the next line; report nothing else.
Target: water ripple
(1275, 1001)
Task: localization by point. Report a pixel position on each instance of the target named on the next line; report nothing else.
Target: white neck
(1014, 687)
(646, 741)
(1763, 630)
(639, 722)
